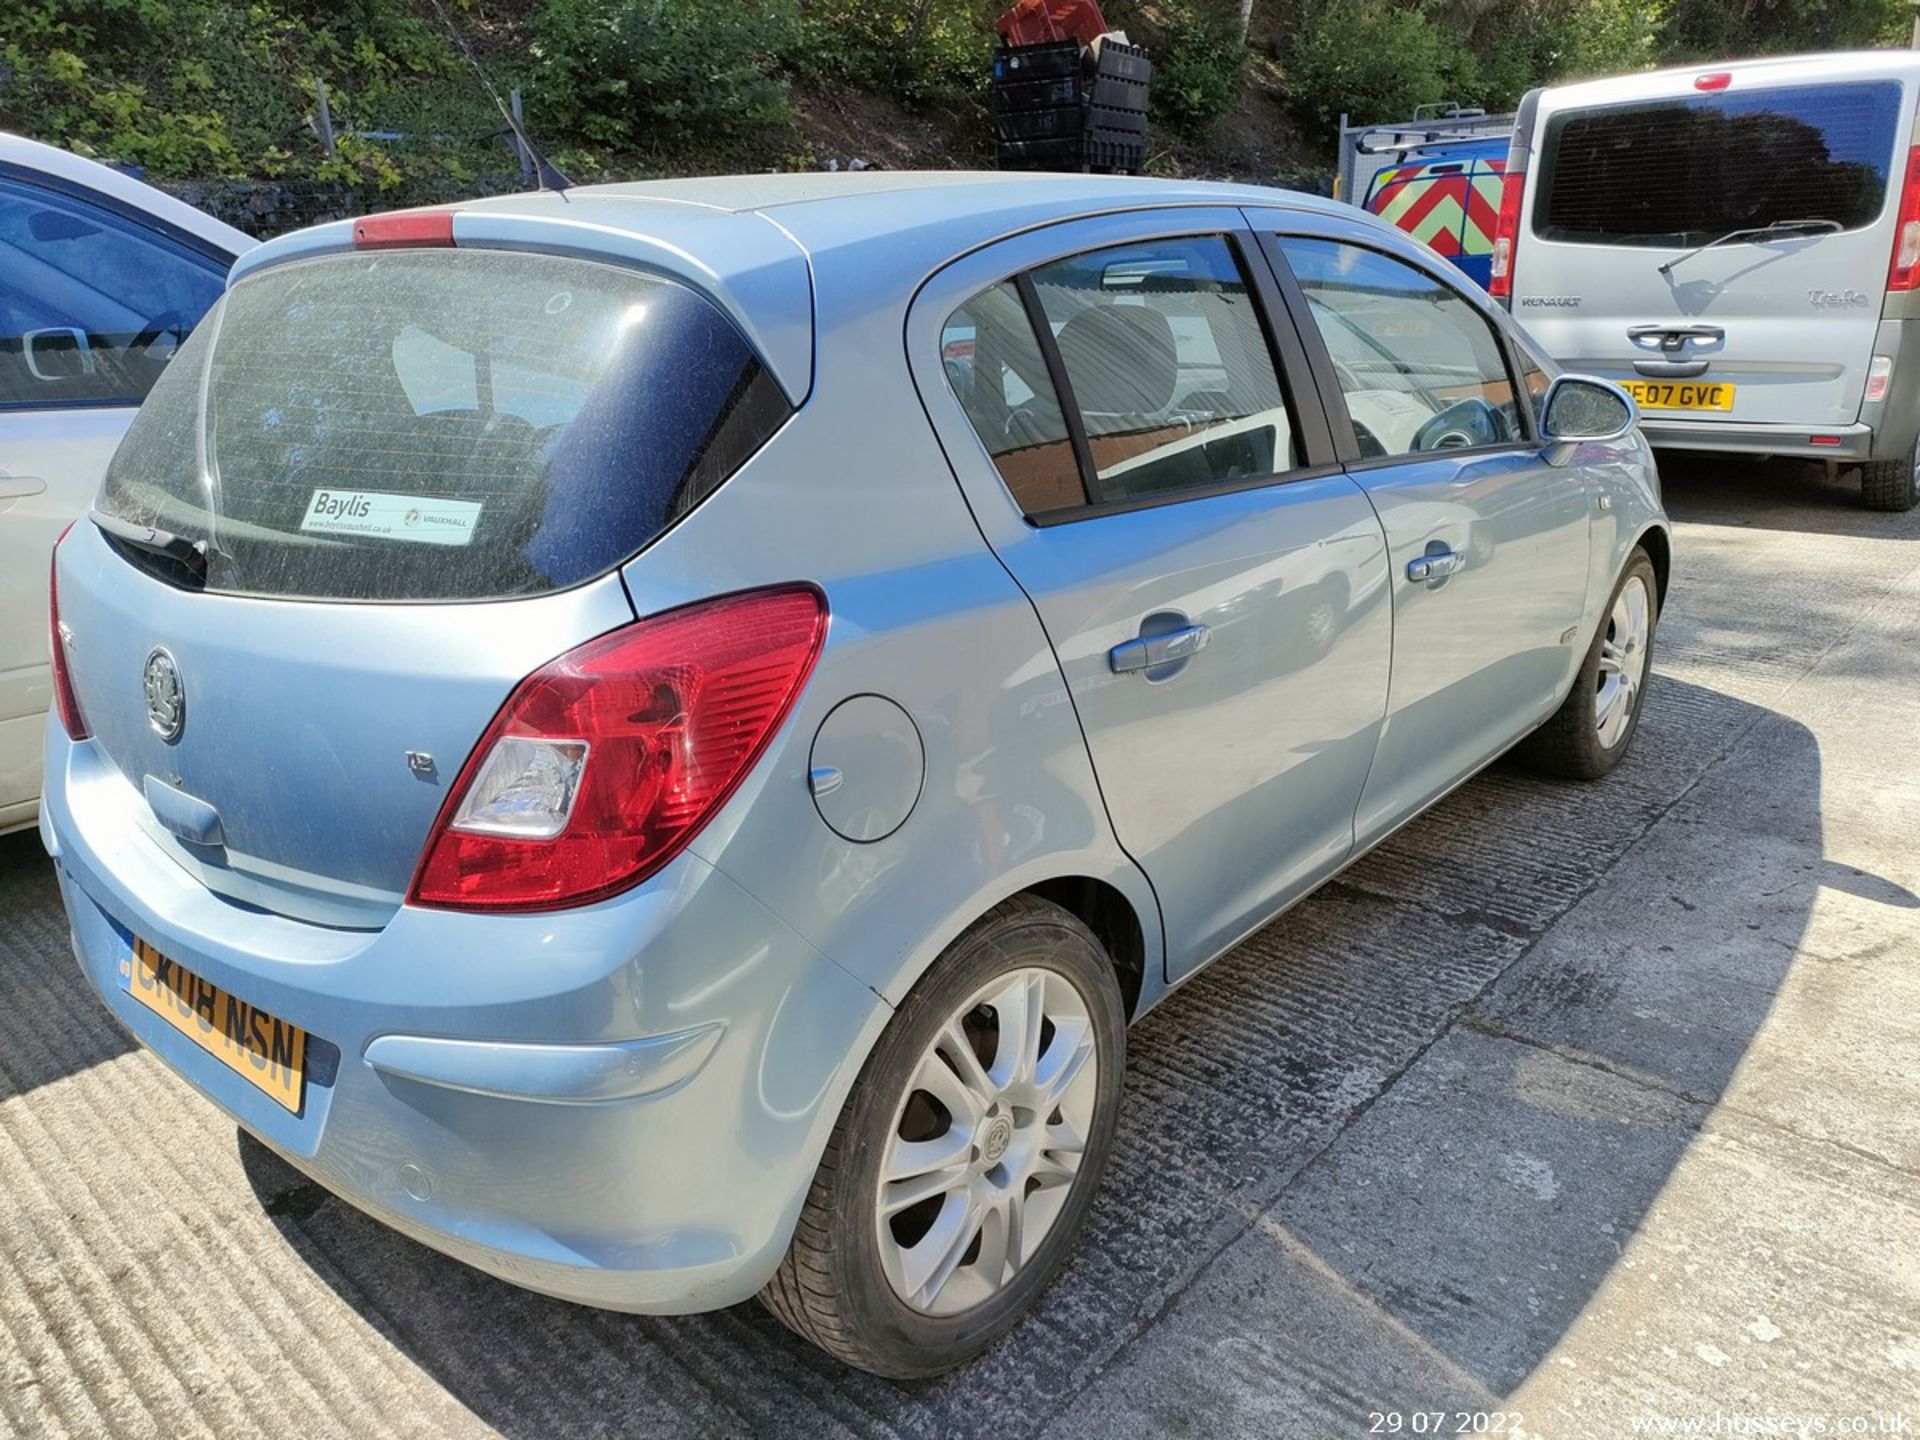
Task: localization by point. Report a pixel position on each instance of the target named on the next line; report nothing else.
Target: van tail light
(1506, 235)
(66, 704)
(1879, 378)
(1904, 273)
(605, 763)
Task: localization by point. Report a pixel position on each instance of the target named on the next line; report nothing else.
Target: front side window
(440, 424)
(1169, 367)
(1685, 171)
(1419, 365)
(92, 305)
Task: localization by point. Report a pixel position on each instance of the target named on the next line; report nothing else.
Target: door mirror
(1579, 409)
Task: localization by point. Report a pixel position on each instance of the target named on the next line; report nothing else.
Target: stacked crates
(1059, 106)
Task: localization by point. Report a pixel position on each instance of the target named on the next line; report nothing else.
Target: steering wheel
(1460, 426)
(167, 321)
(1349, 382)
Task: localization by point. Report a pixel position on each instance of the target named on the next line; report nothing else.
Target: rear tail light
(65, 703)
(1506, 236)
(1879, 376)
(1713, 80)
(604, 764)
(1904, 272)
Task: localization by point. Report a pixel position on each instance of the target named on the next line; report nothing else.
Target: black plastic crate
(1014, 95)
(1082, 152)
(1100, 118)
(1063, 122)
(1125, 62)
(1052, 61)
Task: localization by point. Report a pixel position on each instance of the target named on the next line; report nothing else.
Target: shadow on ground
(1452, 1266)
(1774, 494)
(50, 1024)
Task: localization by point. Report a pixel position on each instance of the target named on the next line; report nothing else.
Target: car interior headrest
(1120, 359)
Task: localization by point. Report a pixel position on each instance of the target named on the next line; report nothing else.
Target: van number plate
(1679, 394)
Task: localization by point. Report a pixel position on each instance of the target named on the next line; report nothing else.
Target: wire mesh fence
(265, 208)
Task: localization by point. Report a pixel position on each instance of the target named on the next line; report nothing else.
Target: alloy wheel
(1623, 660)
(986, 1142)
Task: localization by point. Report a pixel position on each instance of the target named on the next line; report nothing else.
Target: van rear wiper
(1758, 232)
(191, 555)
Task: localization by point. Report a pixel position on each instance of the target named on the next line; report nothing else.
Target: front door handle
(1151, 652)
(1435, 565)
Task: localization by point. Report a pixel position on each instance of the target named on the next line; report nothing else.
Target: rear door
(1213, 587)
(1776, 328)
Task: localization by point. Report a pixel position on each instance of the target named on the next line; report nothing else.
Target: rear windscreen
(440, 425)
(1682, 172)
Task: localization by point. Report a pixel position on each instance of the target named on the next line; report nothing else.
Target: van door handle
(1150, 652)
(1435, 565)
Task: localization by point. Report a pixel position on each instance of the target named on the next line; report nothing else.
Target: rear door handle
(15, 487)
(1150, 652)
(1435, 565)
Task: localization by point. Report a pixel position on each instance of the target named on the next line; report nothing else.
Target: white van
(1739, 246)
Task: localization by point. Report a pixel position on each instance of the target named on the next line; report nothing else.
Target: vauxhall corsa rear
(1739, 246)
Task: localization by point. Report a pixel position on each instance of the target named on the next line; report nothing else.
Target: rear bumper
(621, 1105)
(1855, 442)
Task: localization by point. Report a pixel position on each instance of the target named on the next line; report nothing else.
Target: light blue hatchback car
(654, 738)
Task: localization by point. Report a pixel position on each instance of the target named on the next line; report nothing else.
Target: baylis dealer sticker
(423, 519)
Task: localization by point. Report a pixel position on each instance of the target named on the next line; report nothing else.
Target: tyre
(1588, 734)
(961, 1169)
(1889, 484)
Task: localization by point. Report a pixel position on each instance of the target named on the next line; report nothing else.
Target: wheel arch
(1659, 547)
(1115, 922)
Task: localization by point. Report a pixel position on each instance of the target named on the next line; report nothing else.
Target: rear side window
(1682, 172)
(994, 364)
(1169, 367)
(440, 425)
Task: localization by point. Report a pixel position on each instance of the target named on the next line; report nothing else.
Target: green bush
(913, 49)
(1371, 59)
(224, 87)
(1199, 62)
(663, 75)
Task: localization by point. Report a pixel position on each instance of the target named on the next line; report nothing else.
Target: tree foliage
(226, 87)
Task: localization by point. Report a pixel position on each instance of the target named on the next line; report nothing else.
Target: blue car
(656, 738)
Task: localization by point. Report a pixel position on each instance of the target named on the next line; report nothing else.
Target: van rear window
(439, 425)
(1682, 172)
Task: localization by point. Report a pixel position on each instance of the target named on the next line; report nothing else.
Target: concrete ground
(1592, 1107)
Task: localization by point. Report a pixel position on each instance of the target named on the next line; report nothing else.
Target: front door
(1487, 542)
(1213, 587)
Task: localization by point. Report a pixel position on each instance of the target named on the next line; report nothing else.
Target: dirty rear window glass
(1686, 171)
(440, 425)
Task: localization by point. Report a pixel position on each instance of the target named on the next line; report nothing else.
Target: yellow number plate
(1679, 394)
(269, 1053)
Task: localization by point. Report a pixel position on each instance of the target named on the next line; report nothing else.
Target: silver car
(656, 738)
